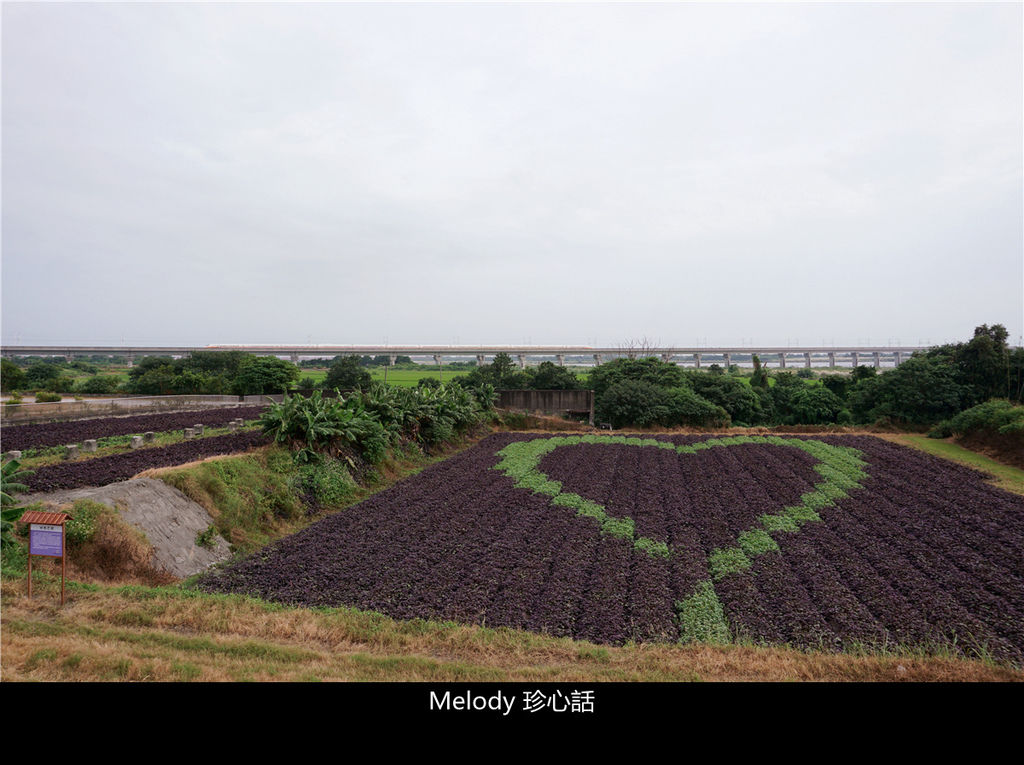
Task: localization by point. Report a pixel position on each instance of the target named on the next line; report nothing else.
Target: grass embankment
(265, 495)
(139, 633)
(1004, 476)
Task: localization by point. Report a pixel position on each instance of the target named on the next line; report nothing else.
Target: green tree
(98, 384)
(550, 376)
(649, 370)
(215, 363)
(265, 374)
(347, 373)
(43, 375)
(983, 363)
(811, 405)
(760, 377)
(631, 402)
(502, 373)
(739, 400)
(839, 385)
(152, 376)
(502, 367)
(921, 391)
(11, 376)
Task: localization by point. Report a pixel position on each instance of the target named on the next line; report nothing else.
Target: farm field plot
(23, 437)
(100, 471)
(819, 542)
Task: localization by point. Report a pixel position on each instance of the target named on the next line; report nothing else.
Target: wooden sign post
(46, 538)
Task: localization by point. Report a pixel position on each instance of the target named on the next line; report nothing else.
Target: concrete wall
(111, 407)
(548, 401)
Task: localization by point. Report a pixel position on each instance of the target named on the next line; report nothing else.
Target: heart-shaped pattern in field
(924, 554)
(700, 614)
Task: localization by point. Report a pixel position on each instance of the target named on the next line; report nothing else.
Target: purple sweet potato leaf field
(832, 543)
(21, 437)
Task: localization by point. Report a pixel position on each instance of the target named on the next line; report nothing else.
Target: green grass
(405, 378)
(1007, 477)
(701, 617)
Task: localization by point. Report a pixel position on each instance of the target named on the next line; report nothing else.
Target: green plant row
(700, 616)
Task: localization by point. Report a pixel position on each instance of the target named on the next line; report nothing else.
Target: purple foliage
(925, 553)
(21, 437)
(119, 467)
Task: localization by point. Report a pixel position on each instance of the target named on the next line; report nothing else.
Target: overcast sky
(516, 173)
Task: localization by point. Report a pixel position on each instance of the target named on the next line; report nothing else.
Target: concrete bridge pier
(392, 358)
(597, 359)
(831, 358)
(696, 360)
(522, 361)
(782, 361)
(856, 358)
(807, 360)
(480, 359)
(899, 358)
(131, 360)
(728, 361)
(561, 359)
(878, 361)
(666, 357)
(437, 359)
(295, 359)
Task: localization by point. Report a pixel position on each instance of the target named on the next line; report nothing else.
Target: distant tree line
(224, 372)
(929, 388)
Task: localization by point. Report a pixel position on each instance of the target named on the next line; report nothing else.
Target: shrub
(207, 538)
(995, 416)
(82, 526)
(41, 374)
(98, 385)
(45, 397)
(329, 481)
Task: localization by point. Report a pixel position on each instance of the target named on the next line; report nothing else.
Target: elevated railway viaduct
(810, 356)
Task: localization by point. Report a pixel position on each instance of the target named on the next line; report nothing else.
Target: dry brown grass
(116, 553)
(157, 472)
(146, 634)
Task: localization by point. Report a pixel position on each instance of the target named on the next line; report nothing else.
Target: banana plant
(11, 476)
